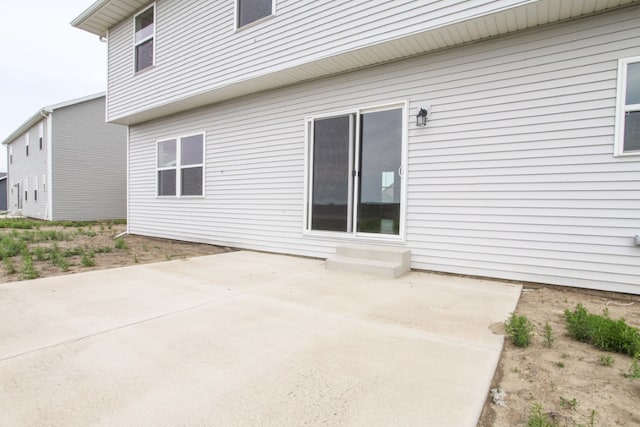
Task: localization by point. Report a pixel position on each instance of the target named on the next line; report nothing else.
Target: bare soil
(569, 380)
(95, 240)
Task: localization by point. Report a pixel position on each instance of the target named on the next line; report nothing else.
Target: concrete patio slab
(247, 338)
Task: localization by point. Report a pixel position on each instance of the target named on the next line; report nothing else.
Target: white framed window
(26, 144)
(180, 166)
(144, 38)
(355, 166)
(44, 183)
(250, 11)
(35, 188)
(26, 189)
(627, 134)
(11, 154)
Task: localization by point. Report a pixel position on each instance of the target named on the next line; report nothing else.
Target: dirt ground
(569, 380)
(100, 241)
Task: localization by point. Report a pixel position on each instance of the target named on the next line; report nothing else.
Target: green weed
(520, 330)
(606, 360)
(549, 336)
(538, 419)
(87, 260)
(120, 244)
(28, 270)
(602, 331)
(568, 404)
(634, 370)
(8, 266)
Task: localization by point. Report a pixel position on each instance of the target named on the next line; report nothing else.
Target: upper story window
(252, 10)
(145, 32)
(40, 134)
(180, 166)
(628, 109)
(26, 144)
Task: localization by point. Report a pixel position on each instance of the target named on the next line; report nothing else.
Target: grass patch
(602, 331)
(520, 330)
(88, 260)
(538, 419)
(9, 268)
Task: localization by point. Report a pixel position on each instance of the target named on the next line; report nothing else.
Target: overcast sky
(44, 60)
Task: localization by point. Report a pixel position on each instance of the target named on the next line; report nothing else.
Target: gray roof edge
(40, 114)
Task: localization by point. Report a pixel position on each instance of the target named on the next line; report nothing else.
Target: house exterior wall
(31, 168)
(514, 176)
(300, 32)
(3, 194)
(88, 176)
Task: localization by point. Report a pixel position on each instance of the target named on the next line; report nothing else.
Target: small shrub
(135, 258)
(560, 364)
(520, 330)
(549, 336)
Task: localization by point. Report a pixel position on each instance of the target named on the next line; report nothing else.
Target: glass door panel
(332, 181)
(379, 170)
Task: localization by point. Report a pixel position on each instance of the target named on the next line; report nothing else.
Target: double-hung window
(628, 108)
(180, 168)
(144, 36)
(253, 10)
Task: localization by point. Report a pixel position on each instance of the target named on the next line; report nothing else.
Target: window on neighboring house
(628, 111)
(144, 38)
(35, 188)
(252, 10)
(180, 166)
(40, 133)
(44, 183)
(26, 189)
(11, 154)
(26, 144)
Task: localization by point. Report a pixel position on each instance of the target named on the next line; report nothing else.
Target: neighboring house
(3, 191)
(66, 163)
(292, 126)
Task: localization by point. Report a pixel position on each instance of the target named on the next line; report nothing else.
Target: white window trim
(622, 108)
(26, 144)
(354, 235)
(152, 36)
(236, 16)
(179, 167)
(41, 135)
(35, 188)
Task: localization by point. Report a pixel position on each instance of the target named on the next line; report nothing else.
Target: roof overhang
(44, 112)
(517, 16)
(104, 14)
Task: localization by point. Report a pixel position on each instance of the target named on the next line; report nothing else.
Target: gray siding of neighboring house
(30, 168)
(514, 177)
(89, 164)
(3, 194)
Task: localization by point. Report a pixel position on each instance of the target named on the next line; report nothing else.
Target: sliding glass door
(356, 172)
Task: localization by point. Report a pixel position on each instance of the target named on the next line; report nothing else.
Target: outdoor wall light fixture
(421, 118)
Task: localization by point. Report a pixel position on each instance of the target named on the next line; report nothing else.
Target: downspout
(45, 116)
(49, 183)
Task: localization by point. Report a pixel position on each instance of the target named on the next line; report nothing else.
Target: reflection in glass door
(380, 168)
(355, 174)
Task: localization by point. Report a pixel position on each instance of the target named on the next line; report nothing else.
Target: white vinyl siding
(305, 40)
(513, 177)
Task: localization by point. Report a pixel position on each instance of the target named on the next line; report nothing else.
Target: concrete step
(382, 261)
